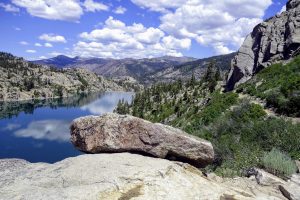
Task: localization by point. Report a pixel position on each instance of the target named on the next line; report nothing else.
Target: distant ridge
(145, 70)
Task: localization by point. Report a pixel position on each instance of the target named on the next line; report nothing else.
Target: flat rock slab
(291, 190)
(120, 177)
(113, 133)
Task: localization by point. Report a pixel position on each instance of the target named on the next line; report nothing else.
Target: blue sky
(36, 29)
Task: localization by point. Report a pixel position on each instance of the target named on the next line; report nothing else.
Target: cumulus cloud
(9, 8)
(37, 45)
(92, 6)
(120, 10)
(31, 51)
(68, 10)
(159, 5)
(118, 40)
(53, 130)
(47, 44)
(218, 24)
(53, 38)
(174, 43)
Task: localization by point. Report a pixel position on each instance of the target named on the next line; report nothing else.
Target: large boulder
(113, 133)
(120, 177)
(275, 40)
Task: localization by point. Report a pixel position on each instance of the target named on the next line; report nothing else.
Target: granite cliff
(274, 40)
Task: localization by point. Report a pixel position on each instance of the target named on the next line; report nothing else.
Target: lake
(38, 130)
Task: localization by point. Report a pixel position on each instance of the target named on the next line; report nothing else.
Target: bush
(279, 163)
(279, 85)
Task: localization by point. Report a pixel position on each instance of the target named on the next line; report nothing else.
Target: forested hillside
(279, 86)
(242, 133)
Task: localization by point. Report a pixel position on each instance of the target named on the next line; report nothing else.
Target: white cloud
(118, 40)
(31, 51)
(37, 45)
(92, 6)
(42, 57)
(17, 28)
(52, 130)
(221, 25)
(159, 5)
(9, 8)
(48, 44)
(53, 38)
(106, 103)
(120, 10)
(55, 53)
(150, 36)
(67, 10)
(24, 43)
(11, 127)
(174, 43)
(282, 9)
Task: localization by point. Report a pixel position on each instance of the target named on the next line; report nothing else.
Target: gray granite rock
(291, 190)
(121, 177)
(113, 133)
(274, 40)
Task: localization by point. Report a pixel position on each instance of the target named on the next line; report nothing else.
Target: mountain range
(145, 71)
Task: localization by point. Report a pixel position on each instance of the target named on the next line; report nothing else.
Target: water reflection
(107, 103)
(38, 131)
(53, 130)
(13, 109)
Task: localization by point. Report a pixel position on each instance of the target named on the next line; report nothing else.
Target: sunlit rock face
(275, 40)
(121, 176)
(115, 133)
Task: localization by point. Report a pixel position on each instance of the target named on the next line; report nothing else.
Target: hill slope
(241, 131)
(196, 67)
(279, 86)
(116, 68)
(146, 71)
(21, 80)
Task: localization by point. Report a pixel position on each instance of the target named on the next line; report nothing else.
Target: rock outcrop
(121, 177)
(112, 133)
(275, 40)
(266, 179)
(21, 80)
(291, 190)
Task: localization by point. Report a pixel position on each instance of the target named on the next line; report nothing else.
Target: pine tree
(218, 74)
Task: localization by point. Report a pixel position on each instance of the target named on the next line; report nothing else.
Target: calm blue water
(38, 131)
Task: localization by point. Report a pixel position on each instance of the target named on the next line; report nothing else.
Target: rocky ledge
(112, 133)
(122, 176)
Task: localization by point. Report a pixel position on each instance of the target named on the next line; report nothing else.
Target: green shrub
(279, 163)
(227, 172)
(279, 85)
